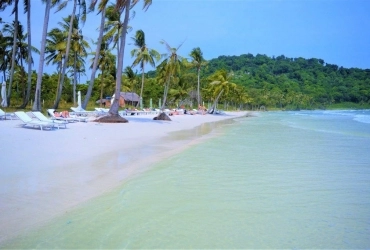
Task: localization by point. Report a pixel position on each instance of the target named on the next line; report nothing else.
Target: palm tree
(3, 5)
(102, 10)
(78, 47)
(106, 63)
(55, 49)
(131, 78)
(198, 61)
(27, 4)
(62, 5)
(169, 67)
(22, 50)
(219, 84)
(181, 90)
(241, 96)
(113, 26)
(37, 102)
(6, 45)
(143, 56)
(126, 6)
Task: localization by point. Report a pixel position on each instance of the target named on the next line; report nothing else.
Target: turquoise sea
(279, 180)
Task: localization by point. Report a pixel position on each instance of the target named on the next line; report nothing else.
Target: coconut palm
(121, 5)
(143, 55)
(27, 4)
(62, 5)
(37, 102)
(198, 61)
(219, 84)
(113, 26)
(6, 43)
(240, 96)
(3, 5)
(169, 67)
(55, 49)
(181, 90)
(102, 10)
(131, 77)
(132, 80)
(106, 64)
(78, 49)
(21, 54)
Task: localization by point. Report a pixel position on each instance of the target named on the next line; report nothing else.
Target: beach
(279, 180)
(47, 173)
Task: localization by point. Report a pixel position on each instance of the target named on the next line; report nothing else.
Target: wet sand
(47, 173)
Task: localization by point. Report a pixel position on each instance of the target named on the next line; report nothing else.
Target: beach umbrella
(112, 99)
(3, 95)
(79, 99)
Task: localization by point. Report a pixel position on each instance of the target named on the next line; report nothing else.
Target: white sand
(47, 173)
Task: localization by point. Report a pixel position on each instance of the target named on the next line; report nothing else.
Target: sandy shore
(47, 173)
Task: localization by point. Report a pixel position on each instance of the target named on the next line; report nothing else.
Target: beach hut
(126, 98)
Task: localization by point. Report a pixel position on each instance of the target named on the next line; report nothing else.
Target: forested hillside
(294, 83)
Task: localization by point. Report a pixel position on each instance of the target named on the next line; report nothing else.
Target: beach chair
(101, 111)
(28, 121)
(122, 113)
(67, 119)
(43, 118)
(83, 112)
(4, 115)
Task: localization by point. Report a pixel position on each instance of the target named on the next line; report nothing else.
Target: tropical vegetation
(179, 78)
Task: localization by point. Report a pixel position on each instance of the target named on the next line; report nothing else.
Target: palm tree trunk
(166, 87)
(37, 102)
(60, 87)
(115, 106)
(28, 91)
(14, 50)
(101, 87)
(96, 60)
(142, 86)
(212, 109)
(74, 79)
(199, 87)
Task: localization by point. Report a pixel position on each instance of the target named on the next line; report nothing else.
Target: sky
(337, 31)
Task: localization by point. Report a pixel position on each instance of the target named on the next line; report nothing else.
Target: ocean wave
(362, 118)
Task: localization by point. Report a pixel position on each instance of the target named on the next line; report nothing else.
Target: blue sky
(337, 31)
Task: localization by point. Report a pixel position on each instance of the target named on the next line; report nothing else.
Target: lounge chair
(82, 112)
(122, 113)
(101, 111)
(57, 123)
(28, 121)
(4, 115)
(67, 119)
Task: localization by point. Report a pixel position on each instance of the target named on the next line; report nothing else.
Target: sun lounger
(43, 118)
(67, 119)
(4, 115)
(82, 112)
(101, 111)
(122, 113)
(28, 121)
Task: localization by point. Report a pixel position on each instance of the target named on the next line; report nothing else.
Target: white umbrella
(3, 95)
(79, 99)
(112, 99)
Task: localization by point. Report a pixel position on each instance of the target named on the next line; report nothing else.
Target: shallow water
(280, 180)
